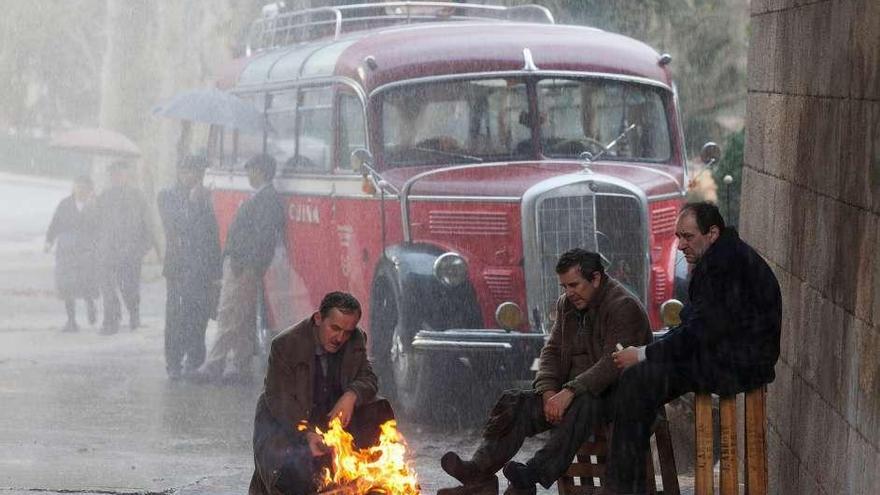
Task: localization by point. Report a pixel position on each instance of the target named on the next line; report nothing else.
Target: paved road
(86, 413)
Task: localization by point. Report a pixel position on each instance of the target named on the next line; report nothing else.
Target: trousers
(519, 414)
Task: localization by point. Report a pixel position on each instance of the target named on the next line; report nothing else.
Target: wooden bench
(755, 455)
(585, 475)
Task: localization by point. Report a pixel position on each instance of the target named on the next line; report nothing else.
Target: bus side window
(352, 131)
(281, 135)
(314, 129)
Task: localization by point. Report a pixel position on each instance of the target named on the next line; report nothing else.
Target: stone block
(868, 413)
(779, 402)
(875, 311)
(811, 343)
(848, 235)
(849, 373)
(866, 51)
(803, 218)
(829, 358)
(782, 465)
(821, 244)
(787, 51)
(789, 122)
(857, 455)
(855, 153)
(756, 209)
(807, 481)
(840, 50)
(780, 242)
(757, 8)
(792, 327)
(818, 145)
(762, 53)
(824, 435)
(866, 266)
(775, 162)
(756, 112)
(815, 43)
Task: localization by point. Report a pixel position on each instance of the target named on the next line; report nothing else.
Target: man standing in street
(573, 390)
(125, 235)
(318, 370)
(727, 342)
(192, 266)
(250, 245)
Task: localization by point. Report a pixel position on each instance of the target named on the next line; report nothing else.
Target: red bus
(435, 160)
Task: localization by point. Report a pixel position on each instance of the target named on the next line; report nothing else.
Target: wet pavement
(85, 413)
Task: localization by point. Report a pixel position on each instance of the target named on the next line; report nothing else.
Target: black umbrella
(213, 106)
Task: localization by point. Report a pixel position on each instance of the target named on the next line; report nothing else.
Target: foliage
(708, 43)
(731, 164)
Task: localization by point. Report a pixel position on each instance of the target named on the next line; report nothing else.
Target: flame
(381, 468)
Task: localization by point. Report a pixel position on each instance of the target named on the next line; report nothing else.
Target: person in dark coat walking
(73, 233)
(125, 235)
(727, 342)
(192, 266)
(318, 370)
(250, 245)
(572, 392)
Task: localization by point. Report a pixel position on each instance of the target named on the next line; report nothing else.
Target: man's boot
(474, 481)
(521, 477)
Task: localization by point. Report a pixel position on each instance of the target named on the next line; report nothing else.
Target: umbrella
(213, 106)
(96, 141)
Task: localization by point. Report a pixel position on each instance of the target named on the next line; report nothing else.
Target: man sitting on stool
(318, 370)
(573, 390)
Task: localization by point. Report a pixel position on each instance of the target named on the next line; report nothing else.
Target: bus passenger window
(314, 129)
(352, 132)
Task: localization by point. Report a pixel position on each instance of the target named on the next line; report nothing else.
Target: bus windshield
(482, 120)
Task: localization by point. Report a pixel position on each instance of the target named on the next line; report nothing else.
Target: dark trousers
(186, 318)
(298, 467)
(641, 390)
(519, 414)
(124, 275)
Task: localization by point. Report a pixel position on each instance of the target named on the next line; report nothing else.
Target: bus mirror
(710, 153)
(361, 160)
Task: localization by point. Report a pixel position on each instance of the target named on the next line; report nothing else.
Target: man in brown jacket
(573, 390)
(318, 370)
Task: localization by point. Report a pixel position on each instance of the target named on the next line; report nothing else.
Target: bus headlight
(508, 316)
(450, 269)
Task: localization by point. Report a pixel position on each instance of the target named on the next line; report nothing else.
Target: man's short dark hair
(706, 215)
(343, 301)
(264, 163)
(587, 261)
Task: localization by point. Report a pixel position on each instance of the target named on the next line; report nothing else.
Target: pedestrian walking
(124, 237)
(73, 233)
(192, 266)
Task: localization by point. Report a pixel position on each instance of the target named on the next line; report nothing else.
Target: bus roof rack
(278, 27)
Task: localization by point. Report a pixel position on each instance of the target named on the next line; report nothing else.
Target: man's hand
(344, 408)
(625, 358)
(316, 444)
(556, 405)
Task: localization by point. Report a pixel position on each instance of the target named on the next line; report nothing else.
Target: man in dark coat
(250, 245)
(192, 266)
(125, 235)
(727, 342)
(317, 370)
(573, 389)
(73, 232)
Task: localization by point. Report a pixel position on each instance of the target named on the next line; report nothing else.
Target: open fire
(382, 468)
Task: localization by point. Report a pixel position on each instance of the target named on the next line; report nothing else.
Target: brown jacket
(287, 394)
(618, 317)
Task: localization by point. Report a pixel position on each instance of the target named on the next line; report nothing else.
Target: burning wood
(382, 468)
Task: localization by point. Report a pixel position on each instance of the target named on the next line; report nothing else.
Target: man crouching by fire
(318, 370)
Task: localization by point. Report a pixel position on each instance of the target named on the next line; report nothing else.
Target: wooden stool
(755, 458)
(589, 463)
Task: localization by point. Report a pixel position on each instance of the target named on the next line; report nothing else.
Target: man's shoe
(488, 486)
(236, 378)
(134, 320)
(205, 375)
(70, 326)
(467, 472)
(520, 476)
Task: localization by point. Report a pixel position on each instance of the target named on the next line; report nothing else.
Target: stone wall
(811, 206)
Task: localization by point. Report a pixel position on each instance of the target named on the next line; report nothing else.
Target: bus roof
(451, 48)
